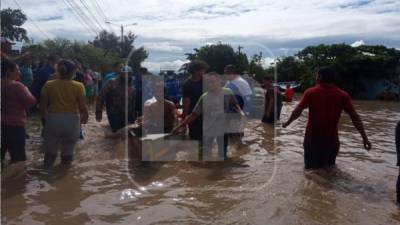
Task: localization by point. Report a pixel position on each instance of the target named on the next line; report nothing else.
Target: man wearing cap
(119, 97)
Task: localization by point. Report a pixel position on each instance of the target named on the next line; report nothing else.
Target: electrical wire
(33, 22)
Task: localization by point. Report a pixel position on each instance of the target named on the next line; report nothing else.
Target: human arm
(295, 115)
(304, 103)
(185, 106)
(188, 119)
(356, 120)
(18, 58)
(198, 110)
(247, 104)
(25, 96)
(83, 109)
(234, 103)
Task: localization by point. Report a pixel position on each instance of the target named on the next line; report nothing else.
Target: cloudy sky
(170, 28)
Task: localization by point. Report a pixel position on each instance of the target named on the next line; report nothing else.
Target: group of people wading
(208, 109)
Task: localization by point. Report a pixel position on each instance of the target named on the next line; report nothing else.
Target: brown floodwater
(263, 183)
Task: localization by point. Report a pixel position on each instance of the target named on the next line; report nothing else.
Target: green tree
(357, 67)
(107, 41)
(11, 22)
(255, 67)
(86, 53)
(290, 69)
(111, 44)
(242, 62)
(218, 56)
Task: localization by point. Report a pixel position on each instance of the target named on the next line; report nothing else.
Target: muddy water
(263, 182)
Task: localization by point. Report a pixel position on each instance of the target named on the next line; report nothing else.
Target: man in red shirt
(289, 92)
(325, 102)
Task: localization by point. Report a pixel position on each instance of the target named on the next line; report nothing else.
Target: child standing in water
(63, 107)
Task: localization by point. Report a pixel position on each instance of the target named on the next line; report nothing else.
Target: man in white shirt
(240, 88)
(243, 93)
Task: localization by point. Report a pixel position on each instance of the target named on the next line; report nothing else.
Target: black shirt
(193, 90)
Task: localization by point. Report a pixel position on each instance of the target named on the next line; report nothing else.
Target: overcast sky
(170, 28)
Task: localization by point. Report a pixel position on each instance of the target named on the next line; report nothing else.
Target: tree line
(354, 65)
(104, 50)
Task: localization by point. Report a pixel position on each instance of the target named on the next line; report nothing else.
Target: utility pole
(122, 33)
(239, 48)
(122, 28)
(239, 58)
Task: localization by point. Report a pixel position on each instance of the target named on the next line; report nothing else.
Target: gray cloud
(170, 28)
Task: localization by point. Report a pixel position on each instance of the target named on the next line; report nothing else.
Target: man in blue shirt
(43, 75)
(173, 86)
(109, 76)
(26, 72)
(240, 88)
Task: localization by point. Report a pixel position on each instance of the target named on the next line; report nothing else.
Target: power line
(91, 14)
(99, 10)
(33, 22)
(84, 16)
(101, 13)
(79, 18)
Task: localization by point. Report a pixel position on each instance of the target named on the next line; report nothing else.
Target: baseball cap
(126, 69)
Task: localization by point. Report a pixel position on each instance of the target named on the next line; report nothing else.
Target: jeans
(13, 141)
(61, 132)
(207, 143)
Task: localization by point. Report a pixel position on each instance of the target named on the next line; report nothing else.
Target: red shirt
(325, 102)
(15, 99)
(289, 94)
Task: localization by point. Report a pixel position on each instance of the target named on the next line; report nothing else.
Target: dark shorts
(196, 130)
(315, 158)
(13, 141)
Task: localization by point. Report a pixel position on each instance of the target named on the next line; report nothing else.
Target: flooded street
(263, 183)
